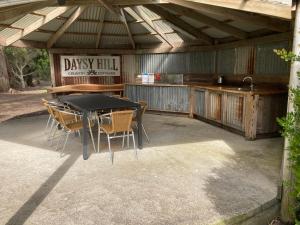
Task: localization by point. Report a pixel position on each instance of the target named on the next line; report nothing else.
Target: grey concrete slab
(189, 173)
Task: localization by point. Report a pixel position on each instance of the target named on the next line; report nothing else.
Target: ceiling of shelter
(139, 24)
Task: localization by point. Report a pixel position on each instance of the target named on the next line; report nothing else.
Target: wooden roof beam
(149, 22)
(100, 28)
(208, 21)
(30, 28)
(258, 20)
(127, 28)
(257, 6)
(179, 24)
(65, 26)
(11, 12)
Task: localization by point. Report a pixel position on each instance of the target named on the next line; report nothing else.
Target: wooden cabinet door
(214, 106)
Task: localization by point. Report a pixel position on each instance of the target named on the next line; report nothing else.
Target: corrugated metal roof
(215, 33)
(53, 25)
(45, 10)
(245, 26)
(114, 41)
(71, 40)
(92, 13)
(77, 33)
(7, 32)
(149, 13)
(193, 22)
(26, 20)
(83, 27)
(138, 28)
(69, 12)
(37, 36)
(146, 39)
(11, 21)
(114, 29)
(174, 38)
(163, 26)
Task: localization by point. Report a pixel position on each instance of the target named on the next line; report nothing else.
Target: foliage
(291, 130)
(27, 63)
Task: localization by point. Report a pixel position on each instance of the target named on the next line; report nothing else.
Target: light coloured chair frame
(114, 131)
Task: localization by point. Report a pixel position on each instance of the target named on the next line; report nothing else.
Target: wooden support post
(251, 116)
(286, 173)
(52, 70)
(4, 81)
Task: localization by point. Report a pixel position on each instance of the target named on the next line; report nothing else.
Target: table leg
(140, 131)
(85, 136)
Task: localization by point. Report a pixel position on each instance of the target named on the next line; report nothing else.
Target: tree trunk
(286, 174)
(4, 80)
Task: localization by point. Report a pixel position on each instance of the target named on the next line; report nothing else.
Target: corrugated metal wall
(188, 63)
(259, 60)
(267, 63)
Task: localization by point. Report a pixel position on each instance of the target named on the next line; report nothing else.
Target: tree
(27, 62)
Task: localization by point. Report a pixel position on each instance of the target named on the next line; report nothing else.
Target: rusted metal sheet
(161, 98)
(233, 111)
(267, 62)
(128, 68)
(199, 102)
(214, 106)
(234, 61)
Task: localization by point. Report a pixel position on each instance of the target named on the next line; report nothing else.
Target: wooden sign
(74, 66)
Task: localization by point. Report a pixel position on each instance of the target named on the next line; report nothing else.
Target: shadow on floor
(35, 200)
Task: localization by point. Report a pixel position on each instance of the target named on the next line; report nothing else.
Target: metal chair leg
(99, 140)
(145, 133)
(92, 137)
(127, 139)
(48, 122)
(134, 147)
(65, 142)
(123, 140)
(110, 151)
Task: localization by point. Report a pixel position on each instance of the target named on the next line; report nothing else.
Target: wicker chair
(144, 107)
(120, 123)
(72, 126)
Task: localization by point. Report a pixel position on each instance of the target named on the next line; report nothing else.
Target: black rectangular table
(93, 102)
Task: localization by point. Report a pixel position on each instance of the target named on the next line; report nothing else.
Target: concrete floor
(190, 173)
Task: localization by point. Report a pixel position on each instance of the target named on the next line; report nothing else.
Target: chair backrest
(121, 120)
(65, 117)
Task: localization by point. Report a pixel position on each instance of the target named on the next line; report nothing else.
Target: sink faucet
(251, 82)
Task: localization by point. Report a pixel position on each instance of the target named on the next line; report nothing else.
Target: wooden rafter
(143, 16)
(22, 31)
(257, 6)
(258, 20)
(208, 21)
(127, 28)
(100, 28)
(65, 26)
(179, 24)
(11, 12)
(110, 8)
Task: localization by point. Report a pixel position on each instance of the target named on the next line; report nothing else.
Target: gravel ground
(22, 102)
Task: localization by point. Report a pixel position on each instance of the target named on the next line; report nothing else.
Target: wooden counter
(250, 113)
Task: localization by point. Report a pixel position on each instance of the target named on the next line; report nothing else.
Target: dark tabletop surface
(93, 102)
